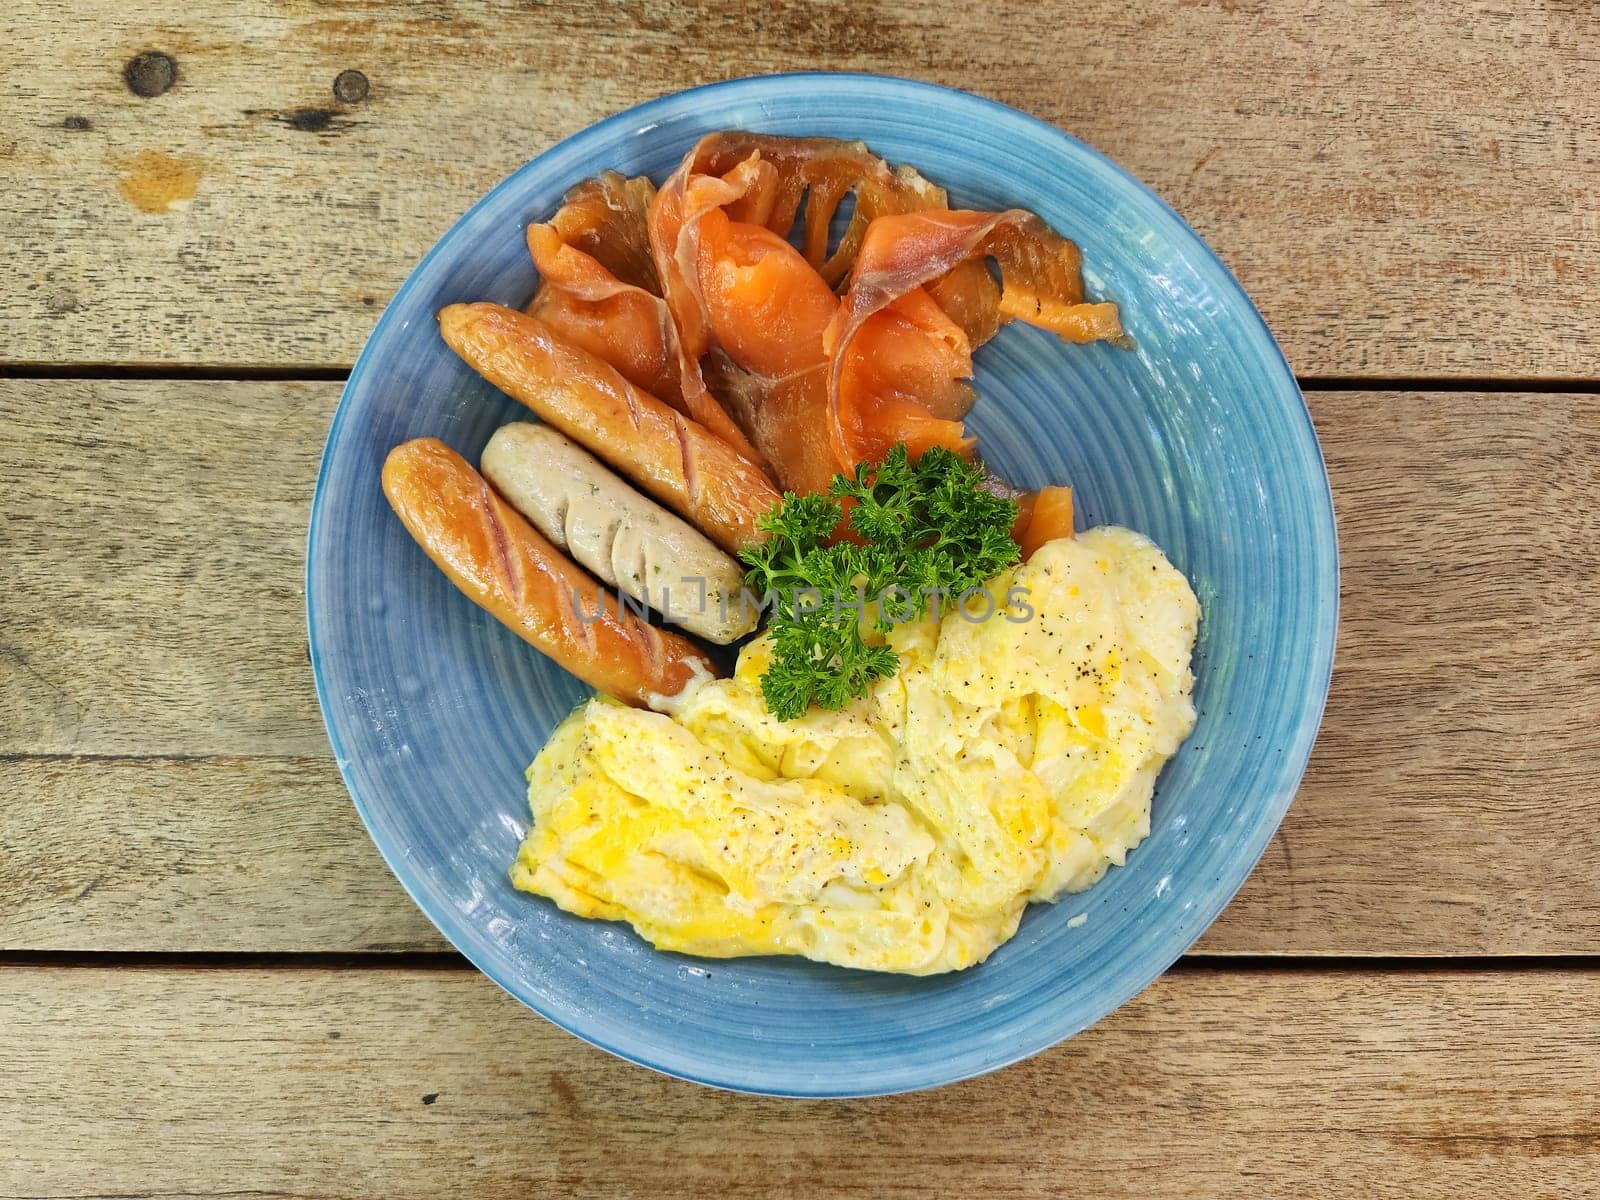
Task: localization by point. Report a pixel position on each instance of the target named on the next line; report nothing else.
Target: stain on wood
(310, 120)
(150, 73)
(76, 124)
(561, 1087)
(350, 87)
(306, 119)
(157, 183)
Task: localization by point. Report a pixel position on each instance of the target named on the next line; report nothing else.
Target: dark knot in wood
(150, 73)
(350, 87)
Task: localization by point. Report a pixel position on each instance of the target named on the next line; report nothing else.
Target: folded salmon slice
(904, 379)
(748, 307)
(590, 307)
(597, 281)
(911, 265)
(1041, 272)
(766, 314)
(810, 172)
(600, 291)
(970, 296)
(765, 309)
(606, 218)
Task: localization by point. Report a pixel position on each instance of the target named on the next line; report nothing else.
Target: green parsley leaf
(926, 528)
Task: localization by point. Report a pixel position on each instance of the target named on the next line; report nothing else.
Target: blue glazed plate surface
(1198, 438)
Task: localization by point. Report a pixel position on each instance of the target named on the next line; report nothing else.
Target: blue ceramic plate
(1198, 438)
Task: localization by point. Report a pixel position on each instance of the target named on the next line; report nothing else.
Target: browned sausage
(511, 571)
(681, 463)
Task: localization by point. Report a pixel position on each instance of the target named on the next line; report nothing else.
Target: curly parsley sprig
(927, 528)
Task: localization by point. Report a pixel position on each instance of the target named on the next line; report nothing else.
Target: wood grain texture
(171, 855)
(155, 552)
(1450, 805)
(312, 1084)
(159, 732)
(1407, 190)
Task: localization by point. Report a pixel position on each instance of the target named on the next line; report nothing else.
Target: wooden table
(210, 984)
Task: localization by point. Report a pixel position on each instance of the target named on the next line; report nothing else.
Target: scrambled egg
(1008, 760)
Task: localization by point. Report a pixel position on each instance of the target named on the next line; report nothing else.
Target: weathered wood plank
(1406, 190)
(172, 855)
(311, 1084)
(155, 557)
(1449, 809)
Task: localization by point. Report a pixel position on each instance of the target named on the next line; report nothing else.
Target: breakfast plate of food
(821, 585)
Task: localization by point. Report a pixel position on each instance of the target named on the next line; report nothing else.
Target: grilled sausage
(678, 461)
(508, 569)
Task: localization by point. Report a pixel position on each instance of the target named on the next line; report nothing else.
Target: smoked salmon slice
(810, 173)
(749, 308)
(936, 261)
(618, 322)
(1041, 272)
(1042, 516)
(606, 218)
(765, 310)
(903, 378)
(600, 291)
(970, 296)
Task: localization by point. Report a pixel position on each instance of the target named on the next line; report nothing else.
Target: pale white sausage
(623, 537)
